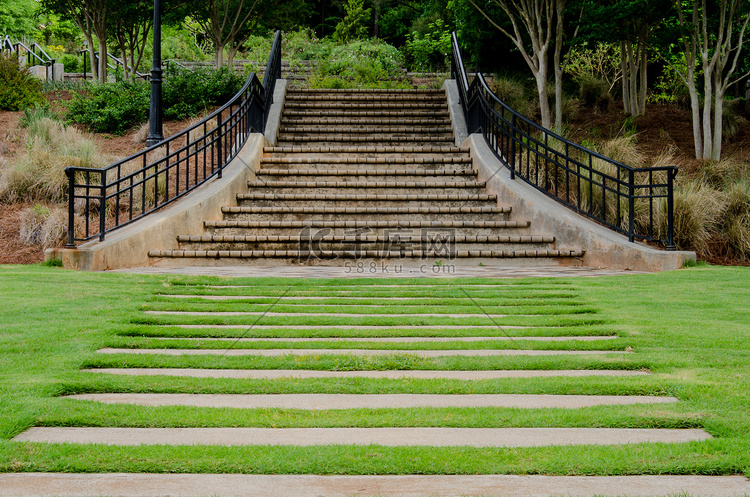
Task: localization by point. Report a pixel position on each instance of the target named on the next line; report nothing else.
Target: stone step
(391, 339)
(361, 185)
(241, 485)
(341, 213)
(364, 227)
(290, 140)
(368, 129)
(372, 163)
(391, 437)
(326, 244)
(357, 352)
(330, 107)
(294, 97)
(381, 151)
(408, 113)
(370, 173)
(368, 91)
(364, 121)
(262, 374)
(323, 402)
(370, 199)
(402, 259)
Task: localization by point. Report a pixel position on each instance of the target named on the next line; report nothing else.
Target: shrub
(110, 108)
(43, 226)
(18, 88)
(186, 93)
(363, 64)
(513, 93)
(594, 93)
(735, 219)
(697, 207)
(430, 50)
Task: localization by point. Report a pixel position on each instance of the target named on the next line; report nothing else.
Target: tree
(229, 23)
(354, 24)
(537, 29)
(91, 17)
(131, 24)
(17, 17)
(631, 24)
(716, 42)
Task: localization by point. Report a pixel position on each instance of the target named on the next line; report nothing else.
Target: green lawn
(691, 328)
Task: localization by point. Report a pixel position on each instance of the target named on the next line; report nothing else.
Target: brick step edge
(286, 209)
(365, 184)
(364, 239)
(284, 139)
(367, 172)
(365, 149)
(367, 128)
(373, 197)
(377, 254)
(367, 160)
(366, 224)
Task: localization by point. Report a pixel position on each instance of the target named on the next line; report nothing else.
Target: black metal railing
(637, 202)
(35, 54)
(110, 57)
(103, 200)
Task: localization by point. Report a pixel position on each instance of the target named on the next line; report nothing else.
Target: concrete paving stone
(370, 401)
(338, 314)
(344, 327)
(456, 271)
(233, 485)
(392, 339)
(357, 352)
(255, 374)
(392, 437)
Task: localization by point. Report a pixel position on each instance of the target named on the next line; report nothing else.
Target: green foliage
(354, 25)
(117, 107)
(187, 93)
(179, 43)
(595, 93)
(110, 108)
(360, 64)
(430, 50)
(17, 17)
(18, 88)
(71, 62)
(35, 113)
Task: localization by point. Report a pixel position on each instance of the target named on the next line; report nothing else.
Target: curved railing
(637, 202)
(103, 200)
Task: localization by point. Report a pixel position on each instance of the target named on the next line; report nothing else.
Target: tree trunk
(92, 54)
(218, 55)
(624, 69)
(718, 123)
(541, 86)
(696, 111)
(644, 79)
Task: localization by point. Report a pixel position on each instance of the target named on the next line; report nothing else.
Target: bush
(513, 93)
(594, 93)
(110, 108)
(429, 51)
(354, 24)
(117, 107)
(18, 88)
(71, 62)
(187, 93)
(697, 207)
(360, 64)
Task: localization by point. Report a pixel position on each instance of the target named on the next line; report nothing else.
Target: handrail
(103, 200)
(626, 199)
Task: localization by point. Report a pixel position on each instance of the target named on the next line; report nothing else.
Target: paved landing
(371, 401)
(191, 485)
(255, 374)
(393, 437)
(359, 352)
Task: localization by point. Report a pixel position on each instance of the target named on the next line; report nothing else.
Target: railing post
(103, 206)
(631, 205)
(71, 210)
(512, 160)
(670, 209)
(219, 154)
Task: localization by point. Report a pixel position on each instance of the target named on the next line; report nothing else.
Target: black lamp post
(155, 134)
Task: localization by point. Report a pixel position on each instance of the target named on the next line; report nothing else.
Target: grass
(689, 327)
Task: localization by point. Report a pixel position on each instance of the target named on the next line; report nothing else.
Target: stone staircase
(367, 176)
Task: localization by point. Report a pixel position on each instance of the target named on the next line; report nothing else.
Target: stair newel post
(103, 205)
(71, 209)
(631, 205)
(219, 140)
